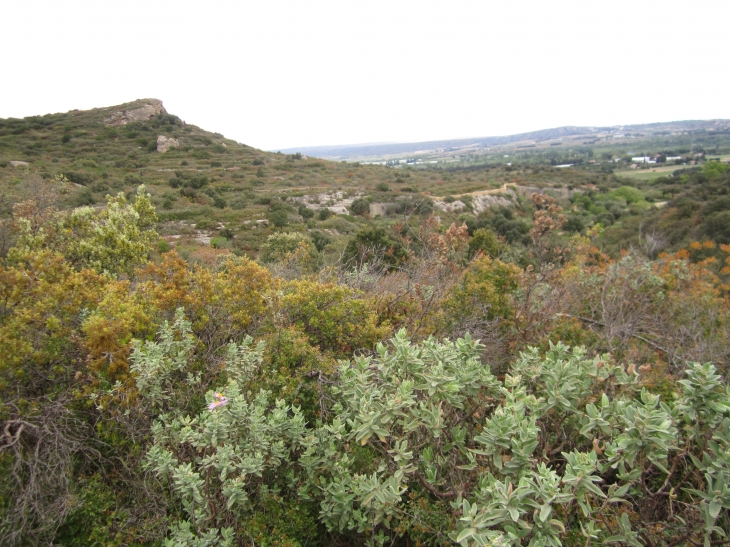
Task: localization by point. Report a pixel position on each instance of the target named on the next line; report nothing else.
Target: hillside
(276, 350)
(206, 184)
(211, 190)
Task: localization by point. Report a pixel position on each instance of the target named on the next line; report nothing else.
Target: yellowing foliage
(223, 303)
(42, 303)
(336, 318)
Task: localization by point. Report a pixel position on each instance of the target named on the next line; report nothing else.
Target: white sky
(281, 74)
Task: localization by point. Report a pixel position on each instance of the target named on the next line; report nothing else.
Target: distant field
(648, 174)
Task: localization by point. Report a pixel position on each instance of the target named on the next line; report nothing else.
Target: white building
(643, 159)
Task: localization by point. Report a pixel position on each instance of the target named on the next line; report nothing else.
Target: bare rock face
(481, 203)
(16, 163)
(457, 205)
(145, 112)
(165, 143)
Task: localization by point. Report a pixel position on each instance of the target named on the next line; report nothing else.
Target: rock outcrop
(449, 207)
(479, 202)
(165, 143)
(335, 202)
(378, 209)
(16, 163)
(143, 113)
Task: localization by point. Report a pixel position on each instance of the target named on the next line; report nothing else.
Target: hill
(449, 148)
(204, 184)
(210, 190)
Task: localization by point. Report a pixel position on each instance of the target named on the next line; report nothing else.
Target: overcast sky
(282, 74)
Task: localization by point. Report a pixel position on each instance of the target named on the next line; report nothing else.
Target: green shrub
(85, 197)
(320, 240)
(163, 246)
(484, 241)
(280, 245)
(305, 212)
(360, 206)
(278, 219)
(218, 242)
(78, 178)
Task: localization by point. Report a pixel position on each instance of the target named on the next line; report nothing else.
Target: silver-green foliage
(218, 461)
(565, 449)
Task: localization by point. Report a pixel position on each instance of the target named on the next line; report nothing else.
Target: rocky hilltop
(151, 108)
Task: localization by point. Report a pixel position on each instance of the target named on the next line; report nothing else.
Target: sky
(282, 74)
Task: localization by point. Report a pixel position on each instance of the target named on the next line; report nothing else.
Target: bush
(279, 219)
(320, 240)
(485, 242)
(374, 243)
(423, 438)
(279, 246)
(218, 242)
(133, 180)
(163, 246)
(78, 178)
(574, 224)
(606, 219)
(305, 212)
(628, 193)
(360, 206)
(188, 193)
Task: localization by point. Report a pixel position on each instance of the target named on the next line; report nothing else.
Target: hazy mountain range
(376, 150)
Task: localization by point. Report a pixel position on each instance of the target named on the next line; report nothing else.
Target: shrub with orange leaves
(43, 302)
(224, 303)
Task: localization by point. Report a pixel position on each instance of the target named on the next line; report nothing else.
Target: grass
(651, 173)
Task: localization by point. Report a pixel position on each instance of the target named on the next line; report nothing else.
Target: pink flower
(220, 400)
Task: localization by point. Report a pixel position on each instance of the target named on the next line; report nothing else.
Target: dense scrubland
(200, 347)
